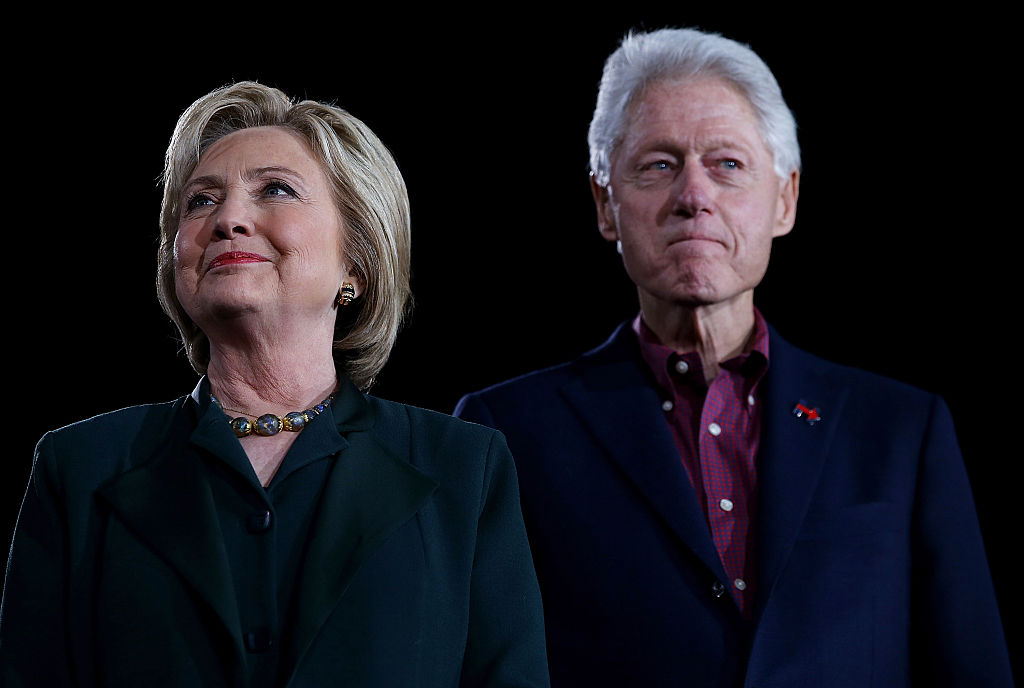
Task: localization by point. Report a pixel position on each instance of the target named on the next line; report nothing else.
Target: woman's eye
(729, 164)
(278, 189)
(198, 200)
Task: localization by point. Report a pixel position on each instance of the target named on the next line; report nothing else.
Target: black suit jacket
(870, 565)
(418, 571)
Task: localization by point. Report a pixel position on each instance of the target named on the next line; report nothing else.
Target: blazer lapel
(619, 404)
(369, 493)
(168, 505)
(793, 451)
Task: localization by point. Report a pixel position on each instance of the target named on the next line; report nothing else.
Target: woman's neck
(287, 367)
(253, 381)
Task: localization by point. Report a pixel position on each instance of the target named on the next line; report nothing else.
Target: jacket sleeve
(34, 647)
(505, 645)
(958, 639)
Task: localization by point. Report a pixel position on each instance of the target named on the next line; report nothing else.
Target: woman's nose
(233, 218)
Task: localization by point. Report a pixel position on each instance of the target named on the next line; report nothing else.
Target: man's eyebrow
(710, 143)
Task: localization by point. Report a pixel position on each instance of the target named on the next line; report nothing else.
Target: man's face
(693, 196)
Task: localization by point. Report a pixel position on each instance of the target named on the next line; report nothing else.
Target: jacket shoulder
(535, 381)
(861, 381)
(414, 430)
(113, 427)
(618, 349)
(87, 451)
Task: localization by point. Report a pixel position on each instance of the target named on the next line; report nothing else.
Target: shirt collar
(662, 359)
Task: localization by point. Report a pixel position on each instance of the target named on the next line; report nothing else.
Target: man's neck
(717, 332)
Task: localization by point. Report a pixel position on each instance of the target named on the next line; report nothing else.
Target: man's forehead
(713, 111)
(677, 96)
(710, 111)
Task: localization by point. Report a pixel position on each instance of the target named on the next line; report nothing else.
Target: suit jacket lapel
(793, 452)
(619, 404)
(168, 505)
(370, 492)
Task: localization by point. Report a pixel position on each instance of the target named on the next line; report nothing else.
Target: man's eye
(658, 165)
(729, 164)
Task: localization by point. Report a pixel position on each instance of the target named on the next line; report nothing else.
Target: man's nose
(694, 190)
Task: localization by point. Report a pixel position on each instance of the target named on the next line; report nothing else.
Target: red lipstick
(235, 258)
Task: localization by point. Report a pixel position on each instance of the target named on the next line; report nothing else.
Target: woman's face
(259, 233)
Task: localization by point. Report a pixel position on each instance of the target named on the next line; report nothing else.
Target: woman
(277, 526)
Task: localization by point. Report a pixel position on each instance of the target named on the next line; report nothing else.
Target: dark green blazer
(417, 572)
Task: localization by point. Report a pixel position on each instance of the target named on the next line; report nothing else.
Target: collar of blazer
(370, 492)
(614, 391)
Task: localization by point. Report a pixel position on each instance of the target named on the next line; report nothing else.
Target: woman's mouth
(235, 258)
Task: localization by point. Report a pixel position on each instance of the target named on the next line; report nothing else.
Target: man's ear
(605, 214)
(785, 215)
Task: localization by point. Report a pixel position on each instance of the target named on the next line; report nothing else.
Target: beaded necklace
(268, 424)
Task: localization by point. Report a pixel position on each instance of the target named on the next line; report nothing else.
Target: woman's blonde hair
(369, 192)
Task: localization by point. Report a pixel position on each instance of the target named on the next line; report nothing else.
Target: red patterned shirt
(717, 429)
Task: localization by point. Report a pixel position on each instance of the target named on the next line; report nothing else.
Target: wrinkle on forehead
(707, 109)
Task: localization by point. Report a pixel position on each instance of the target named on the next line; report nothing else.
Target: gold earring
(346, 294)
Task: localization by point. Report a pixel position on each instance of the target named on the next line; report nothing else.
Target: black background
(903, 259)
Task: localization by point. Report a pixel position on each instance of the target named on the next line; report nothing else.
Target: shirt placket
(725, 506)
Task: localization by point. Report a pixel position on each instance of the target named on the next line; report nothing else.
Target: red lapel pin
(809, 413)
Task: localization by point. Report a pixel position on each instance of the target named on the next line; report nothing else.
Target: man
(708, 505)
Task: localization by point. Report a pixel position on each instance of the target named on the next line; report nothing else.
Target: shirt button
(682, 367)
(751, 400)
(717, 589)
(258, 522)
(667, 405)
(740, 584)
(258, 640)
(715, 429)
(726, 504)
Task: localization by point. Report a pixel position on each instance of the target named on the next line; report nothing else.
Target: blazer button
(718, 589)
(258, 522)
(258, 640)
